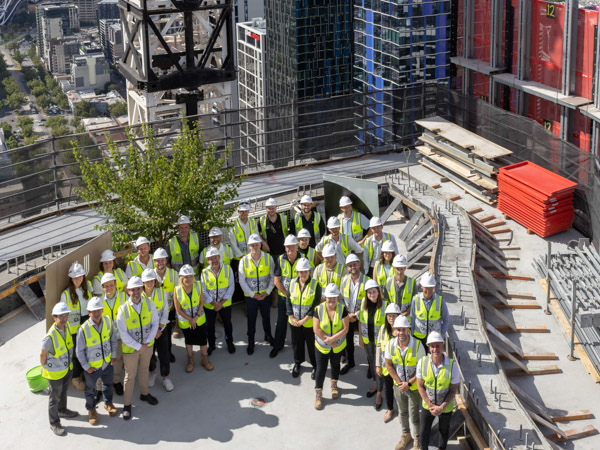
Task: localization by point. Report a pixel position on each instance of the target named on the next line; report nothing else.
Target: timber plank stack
(468, 160)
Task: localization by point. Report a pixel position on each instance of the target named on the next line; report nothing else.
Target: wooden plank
(37, 308)
(436, 186)
(414, 238)
(545, 370)
(14, 313)
(535, 356)
(521, 296)
(495, 224)
(410, 225)
(507, 342)
(513, 247)
(543, 421)
(511, 276)
(471, 425)
(11, 290)
(494, 261)
(486, 218)
(533, 404)
(491, 280)
(574, 433)
(498, 348)
(507, 322)
(516, 304)
(524, 329)
(496, 295)
(501, 230)
(454, 198)
(423, 248)
(463, 443)
(474, 210)
(390, 209)
(583, 414)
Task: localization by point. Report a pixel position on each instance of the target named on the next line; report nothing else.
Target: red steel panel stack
(538, 199)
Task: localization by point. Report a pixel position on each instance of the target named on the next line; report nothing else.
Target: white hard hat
(135, 282)
(254, 239)
(271, 202)
(387, 246)
(306, 199)
(95, 304)
(107, 255)
(345, 201)
(107, 277)
(370, 284)
(333, 222)
(141, 241)
(399, 261)
(375, 221)
(186, 270)
(302, 264)
(60, 308)
(212, 252)
(183, 220)
(401, 322)
(332, 290)
(148, 275)
(428, 280)
(328, 250)
(244, 206)
(291, 240)
(352, 258)
(303, 233)
(215, 231)
(434, 336)
(160, 253)
(76, 270)
(392, 308)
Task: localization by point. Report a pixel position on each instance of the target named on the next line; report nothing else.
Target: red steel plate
(538, 178)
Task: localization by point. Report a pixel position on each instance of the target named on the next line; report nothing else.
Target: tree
(117, 109)
(111, 87)
(145, 191)
(7, 129)
(15, 100)
(19, 57)
(55, 121)
(11, 142)
(85, 109)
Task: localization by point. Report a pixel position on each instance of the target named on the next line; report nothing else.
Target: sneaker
(93, 416)
(110, 409)
(152, 379)
(118, 387)
(58, 430)
(67, 413)
(127, 412)
(168, 385)
(149, 398)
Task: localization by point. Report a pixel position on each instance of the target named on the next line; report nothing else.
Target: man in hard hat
(304, 248)
(310, 220)
(428, 311)
(215, 235)
(97, 353)
(142, 261)
(112, 300)
(400, 288)
(243, 227)
(353, 223)
(438, 378)
(401, 358)
(330, 270)
(217, 284)
(373, 245)
(352, 290)
(185, 247)
(343, 244)
(168, 279)
(273, 228)
(256, 273)
(56, 359)
(137, 322)
(108, 264)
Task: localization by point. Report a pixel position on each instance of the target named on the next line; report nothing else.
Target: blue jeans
(253, 306)
(90, 386)
(282, 322)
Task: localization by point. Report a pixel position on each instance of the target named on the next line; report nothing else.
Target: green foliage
(29, 73)
(11, 142)
(117, 109)
(26, 124)
(55, 121)
(111, 87)
(19, 57)
(144, 191)
(15, 100)
(75, 121)
(85, 109)
(7, 129)
(30, 139)
(3, 68)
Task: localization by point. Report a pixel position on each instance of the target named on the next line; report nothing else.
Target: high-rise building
(46, 15)
(88, 11)
(108, 9)
(244, 10)
(60, 51)
(89, 71)
(111, 39)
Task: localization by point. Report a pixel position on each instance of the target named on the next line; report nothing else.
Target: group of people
(328, 283)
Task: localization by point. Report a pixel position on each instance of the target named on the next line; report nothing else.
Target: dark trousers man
(253, 306)
(444, 426)
(211, 318)
(161, 346)
(282, 323)
(238, 293)
(106, 375)
(349, 350)
(302, 336)
(58, 397)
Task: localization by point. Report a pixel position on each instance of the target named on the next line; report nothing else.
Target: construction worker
(305, 249)
(383, 268)
(112, 300)
(343, 243)
(310, 220)
(402, 355)
(354, 223)
(215, 235)
(185, 247)
(273, 228)
(96, 352)
(76, 297)
(373, 245)
(385, 334)
(428, 311)
(56, 359)
(330, 325)
(154, 291)
(167, 278)
(189, 304)
(400, 288)
(108, 264)
(330, 270)
(437, 380)
(243, 227)
(372, 317)
(353, 293)
(284, 272)
(142, 261)
(217, 284)
(137, 322)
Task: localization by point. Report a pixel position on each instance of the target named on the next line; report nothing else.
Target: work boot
(93, 416)
(204, 362)
(58, 429)
(416, 445)
(335, 393)
(67, 413)
(118, 387)
(78, 384)
(404, 441)
(189, 368)
(318, 399)
(176, 332)
(110, 409)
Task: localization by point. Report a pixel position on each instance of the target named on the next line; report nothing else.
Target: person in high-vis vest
(217, 284)
(353, 292)
(309, 219)
(154, 291)
(400, 288)
(372, 317)
(353, 223)
(303, 296)
(108, 264)
(273, 228)
(112, 300)
(97, 352)
(385, 334)
(257, 278)
(185, 247)
(330, 325)
(167, 278)
(56, 359)
(305, 250)
(189, 304)
(373, 245)
(215, 235)
(383, 268)
(243, 227)
(142, 261)
(330, 270)
(428, 311)
(402, 355)
(76, 297)
(343, 244)
(137, 322)
(438, 378)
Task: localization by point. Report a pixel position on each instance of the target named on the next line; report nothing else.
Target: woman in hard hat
(330, 325)
(386, 332)
(108, 264)
(189, 304)
(372, 317)
(305, 249)
(383, 268)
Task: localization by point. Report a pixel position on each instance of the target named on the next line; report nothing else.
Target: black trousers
(322, 363)
(253, 306)
(282, 323)
(300, 336)
(161, 345)
(444, 426)
(170, 327)
(77, 369)
(349, 350)
(238, 293)
(211, 318)
(388, 387)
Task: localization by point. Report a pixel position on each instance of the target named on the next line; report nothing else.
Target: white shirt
(394, 345)
(242, 275)
(341, 258)
(168, 295)
(347, 225)
(455, 378)
(370, 262)
(237, 252)
(126, 338)
(150, 265)
(228, 292)
(354, 288)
